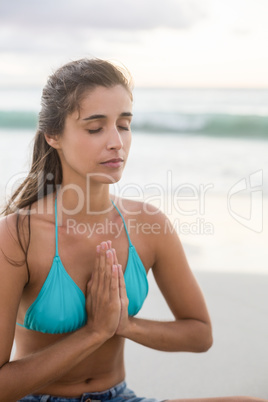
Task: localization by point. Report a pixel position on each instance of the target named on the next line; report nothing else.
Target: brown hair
(61, 96)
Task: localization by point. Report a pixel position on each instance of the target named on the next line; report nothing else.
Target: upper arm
(13, 279)
(174, 276)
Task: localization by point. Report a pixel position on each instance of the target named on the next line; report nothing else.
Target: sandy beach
(231, 268)
(237, 362)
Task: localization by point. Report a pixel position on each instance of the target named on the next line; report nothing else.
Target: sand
(237, 363)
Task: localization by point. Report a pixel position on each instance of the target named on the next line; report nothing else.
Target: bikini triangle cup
(60, 305)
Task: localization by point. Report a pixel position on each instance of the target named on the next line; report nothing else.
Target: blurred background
(200, 129)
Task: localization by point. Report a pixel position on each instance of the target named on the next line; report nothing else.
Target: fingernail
(103, 246)
(108, 252)
(98, 248)
(114, 268)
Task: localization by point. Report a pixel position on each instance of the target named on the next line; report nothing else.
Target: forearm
(186, 335)
(29, 374)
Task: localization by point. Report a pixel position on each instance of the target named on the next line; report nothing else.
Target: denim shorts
(118, 393)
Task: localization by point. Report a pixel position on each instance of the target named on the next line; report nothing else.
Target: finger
(89, 285)
(91, 292)
(97, 259)
(122, 285)
(103, 249)
(105, 274)
(109, 242)
(115, 256)
(95, 273)
(88, 290)
(109, 261)
(92, 284)
(101, 270)
(114, 286)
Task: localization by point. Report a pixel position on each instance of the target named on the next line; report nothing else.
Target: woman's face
(95, 141)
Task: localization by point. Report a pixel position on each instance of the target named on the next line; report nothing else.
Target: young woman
(70, 299)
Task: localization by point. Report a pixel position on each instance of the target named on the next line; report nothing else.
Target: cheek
(82, 146)
(127, 143)
(74, 152)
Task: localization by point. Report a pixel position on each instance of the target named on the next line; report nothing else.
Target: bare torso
(105, 367)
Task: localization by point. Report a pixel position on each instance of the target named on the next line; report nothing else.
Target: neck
(84, 204)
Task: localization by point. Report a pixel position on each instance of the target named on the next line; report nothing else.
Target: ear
(53, 141)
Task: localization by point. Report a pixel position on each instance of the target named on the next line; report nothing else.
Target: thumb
(89, 284)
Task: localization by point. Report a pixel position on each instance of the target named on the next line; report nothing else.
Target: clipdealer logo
(252, 186)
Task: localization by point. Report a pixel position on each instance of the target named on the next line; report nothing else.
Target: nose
(114, 139)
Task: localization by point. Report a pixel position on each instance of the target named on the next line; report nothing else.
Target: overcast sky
(189, 43)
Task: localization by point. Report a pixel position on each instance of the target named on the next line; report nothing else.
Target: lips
(115, 160)
(113, 163)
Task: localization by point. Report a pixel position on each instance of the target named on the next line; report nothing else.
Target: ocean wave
(18, 119)
(211, 124)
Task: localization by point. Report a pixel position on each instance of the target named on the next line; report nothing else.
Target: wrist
(127, 329)
(95, 335)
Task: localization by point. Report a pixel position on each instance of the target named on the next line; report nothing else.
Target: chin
(105, 178)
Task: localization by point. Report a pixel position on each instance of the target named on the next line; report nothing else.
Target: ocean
(200, 155)
(232, 113)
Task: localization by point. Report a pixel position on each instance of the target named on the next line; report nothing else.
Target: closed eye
(94, 131)
(99, 129)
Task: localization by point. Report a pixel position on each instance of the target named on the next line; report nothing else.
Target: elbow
(205, 339)
(206, 344)
(202, 337)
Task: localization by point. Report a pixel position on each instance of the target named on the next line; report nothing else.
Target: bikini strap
(129, 241)
(56, 228)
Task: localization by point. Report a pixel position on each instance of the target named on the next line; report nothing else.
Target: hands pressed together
(107, 302)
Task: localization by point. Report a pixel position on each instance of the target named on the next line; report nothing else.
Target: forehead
(102, 100)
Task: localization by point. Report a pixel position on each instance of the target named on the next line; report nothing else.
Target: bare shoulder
(154, 227)
(13, 240)
(142, 211)
(147, 214)
(8, 231)
(148, 221)
(18, 232)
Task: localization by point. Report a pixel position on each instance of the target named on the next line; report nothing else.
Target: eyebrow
(102, 116)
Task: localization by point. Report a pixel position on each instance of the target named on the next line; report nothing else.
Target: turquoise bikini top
(60, 305)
